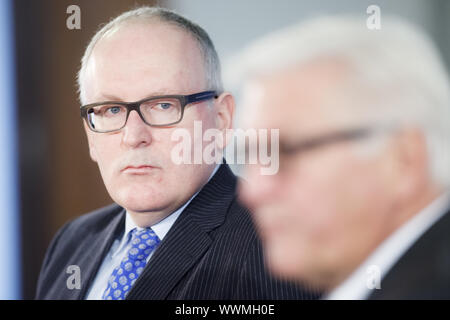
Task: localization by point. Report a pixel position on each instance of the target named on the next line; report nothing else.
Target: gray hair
(149, 14)
(398, 66)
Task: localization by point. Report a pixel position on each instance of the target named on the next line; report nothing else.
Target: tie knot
(143, 242)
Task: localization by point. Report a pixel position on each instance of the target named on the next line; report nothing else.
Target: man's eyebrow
(107, 97)
(111, 97)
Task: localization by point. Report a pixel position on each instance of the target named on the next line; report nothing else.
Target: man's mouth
(138, 170)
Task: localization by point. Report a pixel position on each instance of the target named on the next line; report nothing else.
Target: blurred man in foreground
(361, 193)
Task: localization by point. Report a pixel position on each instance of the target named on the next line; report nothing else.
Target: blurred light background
(9, 218)
(50, 167)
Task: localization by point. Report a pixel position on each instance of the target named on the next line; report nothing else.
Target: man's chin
(145, 207)
(142, 203)
(282, 261)
(136, 195)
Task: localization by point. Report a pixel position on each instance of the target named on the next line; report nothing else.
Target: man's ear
(411, 161)
(225, 105)
(92, 152)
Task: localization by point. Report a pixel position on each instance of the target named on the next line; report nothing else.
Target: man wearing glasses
(176, 230)
(360, 205)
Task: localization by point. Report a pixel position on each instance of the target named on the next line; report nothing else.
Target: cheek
(321, 207)
(282, 233)
(341, 201)
(202, 113)
(105, 149)
(328, 194)
(311, 194)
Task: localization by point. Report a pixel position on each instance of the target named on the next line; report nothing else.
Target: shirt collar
(162, 227)
(355, 287)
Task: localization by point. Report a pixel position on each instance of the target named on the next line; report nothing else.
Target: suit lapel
(98, 244)
(188, 239)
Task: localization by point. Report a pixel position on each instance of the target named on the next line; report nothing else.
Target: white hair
(150, 14)
(398, 65)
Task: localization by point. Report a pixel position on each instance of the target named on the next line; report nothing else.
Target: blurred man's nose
(136, 132)
(257, 188)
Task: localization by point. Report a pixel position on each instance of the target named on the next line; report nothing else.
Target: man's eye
(164, 105)
(113, 110)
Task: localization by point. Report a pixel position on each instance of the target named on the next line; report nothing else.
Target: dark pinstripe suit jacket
(211, 252)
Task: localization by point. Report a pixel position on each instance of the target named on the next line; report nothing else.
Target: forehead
(302, 100)
(140, 59)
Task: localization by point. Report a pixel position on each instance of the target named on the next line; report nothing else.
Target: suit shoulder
(82, 226)
(239, 215)
(96, 218)
(67, 242)
(422, 272)
(89, 222)
(239, 227)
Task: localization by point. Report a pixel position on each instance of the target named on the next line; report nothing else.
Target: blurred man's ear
(225, 105)
(409, 150)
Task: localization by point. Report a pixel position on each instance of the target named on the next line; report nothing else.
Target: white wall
(231, 24)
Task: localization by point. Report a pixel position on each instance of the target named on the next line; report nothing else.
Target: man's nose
(136, 132)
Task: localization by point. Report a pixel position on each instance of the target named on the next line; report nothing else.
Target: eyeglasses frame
(135, 106)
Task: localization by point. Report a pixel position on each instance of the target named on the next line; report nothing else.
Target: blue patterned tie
(143, 242)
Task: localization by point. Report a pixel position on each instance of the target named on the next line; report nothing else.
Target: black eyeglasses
(326, 139)
(158, 111)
